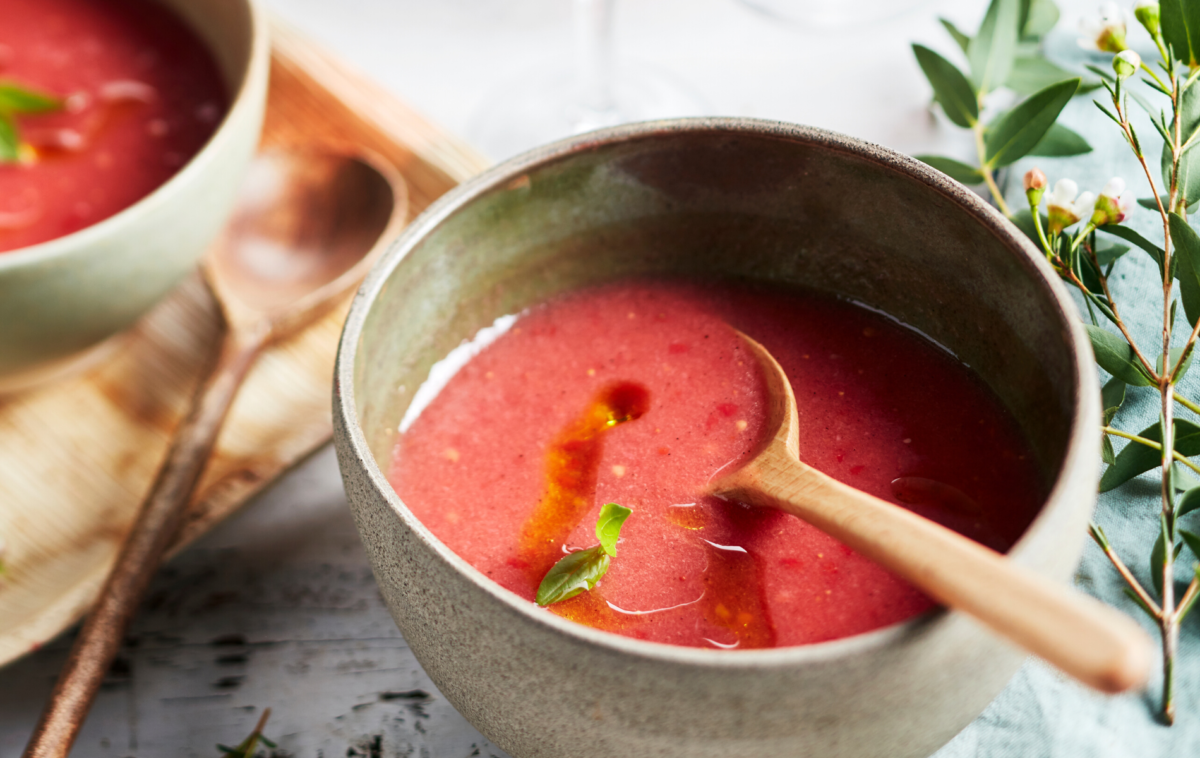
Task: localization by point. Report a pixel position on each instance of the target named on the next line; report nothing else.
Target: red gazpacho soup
(140, 94)
(639, 393)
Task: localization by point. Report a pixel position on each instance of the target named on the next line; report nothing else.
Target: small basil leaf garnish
(581, 570)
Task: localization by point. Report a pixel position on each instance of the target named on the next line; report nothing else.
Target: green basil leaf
(574, 574)
(1116, 357)
(1017, 132)
(9, 144)
(608, 526)
(1188, 181)
(992, 50)
(1031, 73)
(1137, 458)
(1038, 17)
(17, 99)
(956, 170)
(1180, 21)
(1112, 396)
(1187, 249)
(950, 88)
(1060, 142)
(962, 40)
(1137, 240)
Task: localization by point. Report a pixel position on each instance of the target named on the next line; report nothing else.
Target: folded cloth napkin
(1041, 713)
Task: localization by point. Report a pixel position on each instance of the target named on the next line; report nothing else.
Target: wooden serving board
(77, 456)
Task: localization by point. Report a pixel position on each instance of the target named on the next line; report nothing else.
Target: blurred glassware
(549, 103)
(833, 14)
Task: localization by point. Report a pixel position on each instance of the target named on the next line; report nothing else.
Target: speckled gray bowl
(739, 198)
(65, 295)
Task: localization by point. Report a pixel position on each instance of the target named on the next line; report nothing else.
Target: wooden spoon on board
(1081, 636)
(307, 227)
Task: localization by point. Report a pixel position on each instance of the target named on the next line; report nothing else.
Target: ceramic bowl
(60, 297)
(741, 198)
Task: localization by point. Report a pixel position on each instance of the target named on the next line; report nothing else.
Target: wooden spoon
(306, 228)
(1081, 636)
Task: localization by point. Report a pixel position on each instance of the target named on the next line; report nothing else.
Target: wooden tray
(76, 457)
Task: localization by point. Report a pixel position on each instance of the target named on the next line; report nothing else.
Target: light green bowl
(61, 297)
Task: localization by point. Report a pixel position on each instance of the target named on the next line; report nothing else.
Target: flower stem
(986, 170)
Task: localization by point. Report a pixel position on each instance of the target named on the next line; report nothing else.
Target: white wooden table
(277, 607)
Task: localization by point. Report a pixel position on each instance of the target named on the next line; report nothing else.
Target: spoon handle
(152, 532)
(1096, 644)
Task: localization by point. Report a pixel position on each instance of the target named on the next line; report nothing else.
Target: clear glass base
(547, 105)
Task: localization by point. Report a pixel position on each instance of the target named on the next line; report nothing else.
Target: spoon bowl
(309, 226)
(1084, 638)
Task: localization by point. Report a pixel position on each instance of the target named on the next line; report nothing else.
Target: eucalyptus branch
(1187, 404)
(986, 170)
(1123, 570)
(1150, 443)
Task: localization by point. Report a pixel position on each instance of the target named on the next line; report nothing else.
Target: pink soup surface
(142, 93)
(505, 467)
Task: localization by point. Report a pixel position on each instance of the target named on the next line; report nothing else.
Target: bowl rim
(253, 78)
(1082, 445)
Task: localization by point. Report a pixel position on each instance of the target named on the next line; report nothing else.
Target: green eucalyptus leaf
(1024, 221)
(1112, 396)
(1188, 502)
(1152, 204)
(992, 50)
(1137, 458)
(1116, 357)
(1031, 73)
(1187, 270)
(1137, 240)
(1180, 21)
(574, 574)
(956, 170)
(961, 39)
(608, 526)
(9, 144)
(1038, 17)
(1189, 163)
(17, 99)
(1015, 133)
(1107, 454)
(950, 88)
(1060, 142)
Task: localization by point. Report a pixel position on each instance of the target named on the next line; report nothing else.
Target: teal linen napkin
(1041, 713)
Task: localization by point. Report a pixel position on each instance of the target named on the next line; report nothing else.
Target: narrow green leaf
(1107, 454)
(1017, 132)
(1192, 541)
(1105, 74)
(950, 88)
(608, 526)
(1038, 17)
(1024, 221)
(962, 40)
(1137, 458)
(1152, 204)
(9, 145)
(956, 170)
(1137, 240)
(992, 50)
(1140, 603)
(1060, 142)
(1158, 555)
(1176, 352)
(1180, 21)
(1032, 73)
(1112, 395)
(1107, 253)
(1188, 502)
(1189, 163)
(17, 99)
(1186, 609)
(1116, 357)
(1187, 249)
(575, 573)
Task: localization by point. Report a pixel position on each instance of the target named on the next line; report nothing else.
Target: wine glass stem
(594, 55)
